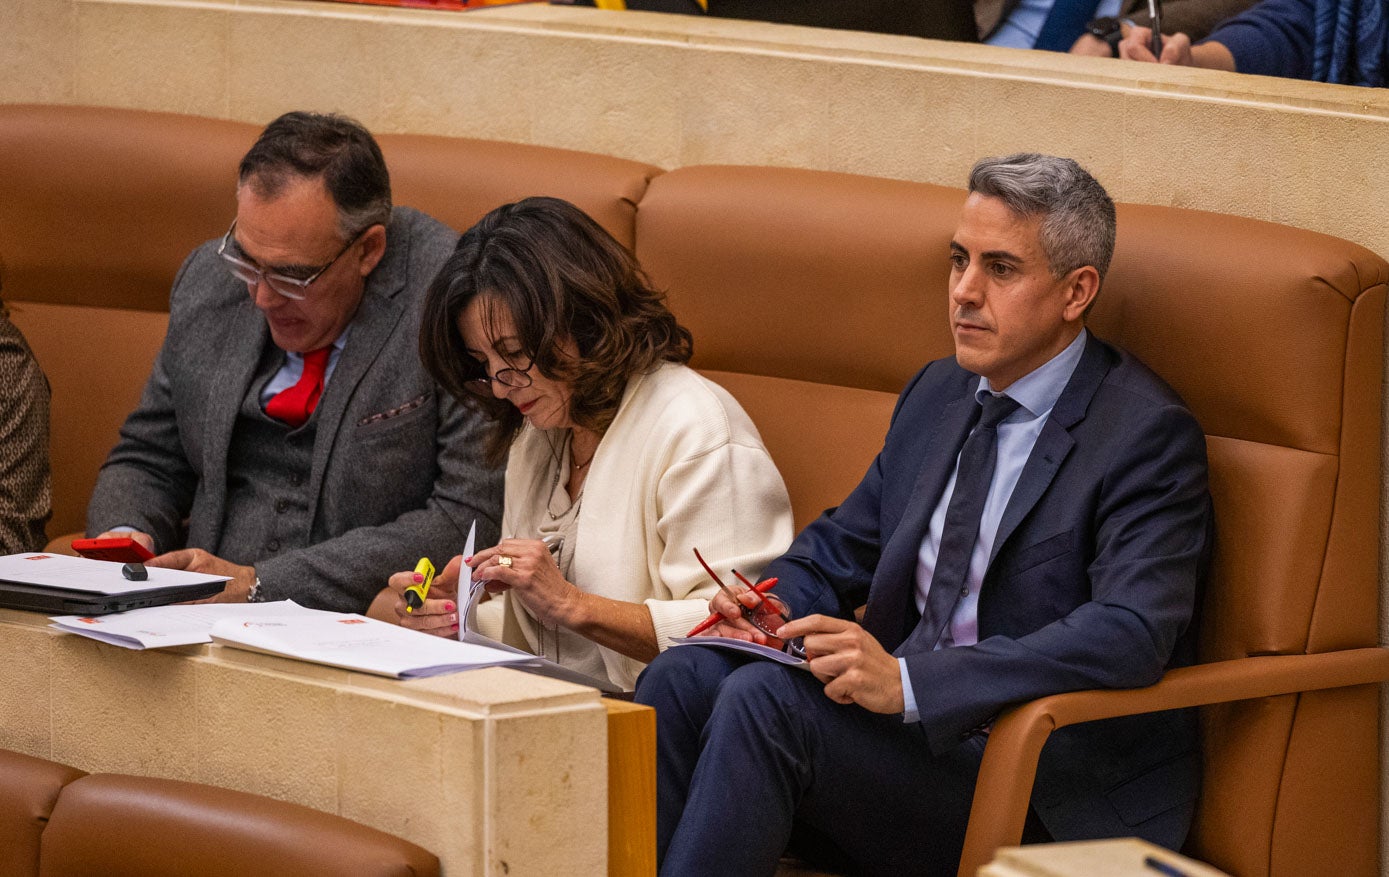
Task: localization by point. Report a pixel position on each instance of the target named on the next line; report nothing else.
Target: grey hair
(1077, 213)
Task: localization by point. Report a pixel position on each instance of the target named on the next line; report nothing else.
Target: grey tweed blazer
(397, 470)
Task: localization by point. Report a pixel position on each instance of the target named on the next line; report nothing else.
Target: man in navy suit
(1037, 521)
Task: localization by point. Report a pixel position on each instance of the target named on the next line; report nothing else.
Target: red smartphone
(121, 549)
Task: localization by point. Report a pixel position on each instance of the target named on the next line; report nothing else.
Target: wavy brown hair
(560, 276)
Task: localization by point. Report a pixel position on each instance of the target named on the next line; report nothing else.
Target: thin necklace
(567, 449)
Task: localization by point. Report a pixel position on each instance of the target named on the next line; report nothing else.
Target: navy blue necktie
(1065, 23)
(974, 476)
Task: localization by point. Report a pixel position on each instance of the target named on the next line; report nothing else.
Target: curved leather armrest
(1010, 760)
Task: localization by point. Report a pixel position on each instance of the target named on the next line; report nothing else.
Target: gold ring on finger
(504, 560)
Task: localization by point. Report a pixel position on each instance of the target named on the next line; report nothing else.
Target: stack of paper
(1119, 857)
(162, 626)
(355, 642)
(468, 633)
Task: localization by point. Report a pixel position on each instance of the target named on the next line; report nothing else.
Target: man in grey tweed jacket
(321, 506)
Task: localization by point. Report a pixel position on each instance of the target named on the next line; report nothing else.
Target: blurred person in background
(26, 497)
(1337, 41)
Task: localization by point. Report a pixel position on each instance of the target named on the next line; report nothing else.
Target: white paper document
(93, 576)
(468, 633)
(742, 645)
(161, 626)
(355, 642)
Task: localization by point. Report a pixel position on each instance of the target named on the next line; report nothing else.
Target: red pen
(714, 617)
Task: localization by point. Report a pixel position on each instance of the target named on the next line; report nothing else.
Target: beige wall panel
(453, 81)
(144, 56)
(1200, 154)
(125, 711)
(383, 786)
(1336, 153)
(26, 715)
(1017, 116)
(463, 795)
(767, 109)
(37, 57)
(292, 728)
(546, 791)
(293, 60)
(620, 98)
(923, 127)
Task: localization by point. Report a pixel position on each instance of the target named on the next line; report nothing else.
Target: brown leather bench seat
(813, 297)
(58, 821)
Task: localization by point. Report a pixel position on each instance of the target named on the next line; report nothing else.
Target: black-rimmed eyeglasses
(515, 378)
(252, 275)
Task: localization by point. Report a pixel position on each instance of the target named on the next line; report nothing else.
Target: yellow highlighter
(415, 594)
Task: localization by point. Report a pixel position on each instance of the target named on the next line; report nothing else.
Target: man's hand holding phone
(121, 547)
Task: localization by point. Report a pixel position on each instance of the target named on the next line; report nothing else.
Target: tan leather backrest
(457, 180)
(1271, 334)
(124, 826)
(101, 206)
(1274, 336)
(29, 789)
(814, 296)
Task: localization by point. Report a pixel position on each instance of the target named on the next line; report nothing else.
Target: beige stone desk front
(494, 770)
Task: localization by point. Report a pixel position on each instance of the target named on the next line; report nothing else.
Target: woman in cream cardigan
(620, 457)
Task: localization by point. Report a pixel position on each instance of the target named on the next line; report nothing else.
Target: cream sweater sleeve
(732, 505)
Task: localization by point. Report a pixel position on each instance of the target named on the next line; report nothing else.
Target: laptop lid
(60, 585)
(61, 601)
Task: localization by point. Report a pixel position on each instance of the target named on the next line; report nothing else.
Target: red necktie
(294, 405)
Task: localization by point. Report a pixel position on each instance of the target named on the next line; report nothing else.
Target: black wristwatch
(1109, 29)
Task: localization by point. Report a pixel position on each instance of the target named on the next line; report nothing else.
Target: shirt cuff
(908, 696)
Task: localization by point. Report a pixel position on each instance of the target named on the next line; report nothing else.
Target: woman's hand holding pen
(439, 614)
(734, 625)
(527, 568)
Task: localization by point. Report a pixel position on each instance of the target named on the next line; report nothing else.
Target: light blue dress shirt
(289, 373)
(287, 376)
(1024, 24)
(1036, 394)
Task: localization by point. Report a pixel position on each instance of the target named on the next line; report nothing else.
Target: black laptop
(59, 585)
(61, 601)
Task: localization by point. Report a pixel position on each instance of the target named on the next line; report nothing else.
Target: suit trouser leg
(773, 749)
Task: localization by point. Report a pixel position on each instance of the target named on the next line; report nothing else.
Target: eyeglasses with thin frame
(515, 378)
(251, 274)
(773, 606)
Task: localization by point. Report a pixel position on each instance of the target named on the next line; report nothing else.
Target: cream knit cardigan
(681, 467)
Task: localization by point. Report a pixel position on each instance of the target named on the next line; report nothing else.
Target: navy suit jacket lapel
(1054, 443)
(894, 581)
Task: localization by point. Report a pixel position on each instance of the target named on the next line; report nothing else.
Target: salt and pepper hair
(1077, 213)
(335, 149)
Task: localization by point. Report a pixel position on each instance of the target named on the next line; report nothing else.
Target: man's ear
(1082, 285)
(373, 244)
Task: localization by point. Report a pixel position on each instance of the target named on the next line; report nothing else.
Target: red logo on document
(89, 621)
(40, 557)
(352, 621)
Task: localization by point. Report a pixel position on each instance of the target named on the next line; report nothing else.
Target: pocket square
(394, 412)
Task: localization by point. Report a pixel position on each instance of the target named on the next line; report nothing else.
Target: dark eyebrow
(1000, 256)
(272, 269)
(988, 255)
